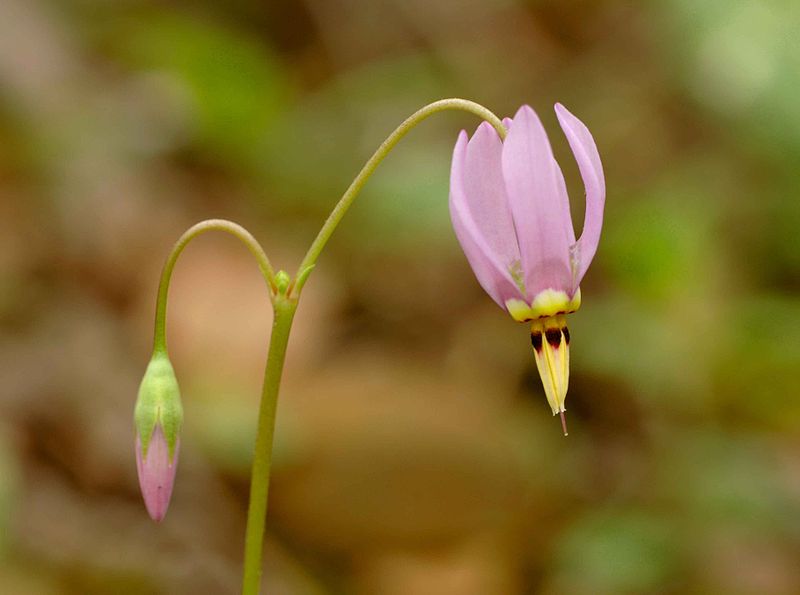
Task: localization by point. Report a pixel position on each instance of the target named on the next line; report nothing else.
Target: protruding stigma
(550, 340)
(563, 423)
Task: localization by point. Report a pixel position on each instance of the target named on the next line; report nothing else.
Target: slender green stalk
(284, 293)
(285, 306)
(262, 460)
(357, 184)
(160, 336)
(284, 309)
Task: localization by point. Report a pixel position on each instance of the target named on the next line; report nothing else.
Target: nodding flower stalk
(372, 164)
(158, 412)
(510, 212)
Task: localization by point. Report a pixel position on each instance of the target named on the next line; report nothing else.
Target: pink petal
(492, 274)
(583, 146)
(485, 194)
(539, 205)
(156, 473)
(566, 214)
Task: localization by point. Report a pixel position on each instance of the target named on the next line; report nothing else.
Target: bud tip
(156, 473)
(282, 282)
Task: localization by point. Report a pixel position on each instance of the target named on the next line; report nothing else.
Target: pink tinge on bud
(156, 473)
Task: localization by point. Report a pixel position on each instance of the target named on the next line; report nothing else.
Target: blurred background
(416, 453)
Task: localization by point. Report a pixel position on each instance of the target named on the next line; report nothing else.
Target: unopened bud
(282, 281)
(158, 416)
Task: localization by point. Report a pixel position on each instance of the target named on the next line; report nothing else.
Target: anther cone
(550, 340)
(156, 469)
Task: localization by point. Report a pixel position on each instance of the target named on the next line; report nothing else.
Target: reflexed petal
(539, 205)
(492, 274)
(566, 214)
(583, 146)
(156, 473)
(485, 194)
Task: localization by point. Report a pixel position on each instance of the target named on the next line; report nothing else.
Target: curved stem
(284, 307)
(160, 338)
(369, 167)
(262, 459)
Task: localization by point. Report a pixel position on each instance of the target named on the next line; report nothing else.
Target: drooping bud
(158, 417)
(550, 340)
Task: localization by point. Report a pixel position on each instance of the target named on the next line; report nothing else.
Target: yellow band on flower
(546, 303)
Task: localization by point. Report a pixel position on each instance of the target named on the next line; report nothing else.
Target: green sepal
(159, 402)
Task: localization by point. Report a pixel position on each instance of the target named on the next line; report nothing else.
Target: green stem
(357, 184)
(262, 460)
(160, 336)
(284, 307)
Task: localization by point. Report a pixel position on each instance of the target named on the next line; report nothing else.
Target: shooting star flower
(510, 212)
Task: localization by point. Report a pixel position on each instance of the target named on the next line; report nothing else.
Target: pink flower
(510, 211)
(156, 469)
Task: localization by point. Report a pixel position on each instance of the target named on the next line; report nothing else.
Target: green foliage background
(415, 450)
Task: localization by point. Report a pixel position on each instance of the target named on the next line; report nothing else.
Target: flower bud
(158, 417)
(282, 282)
